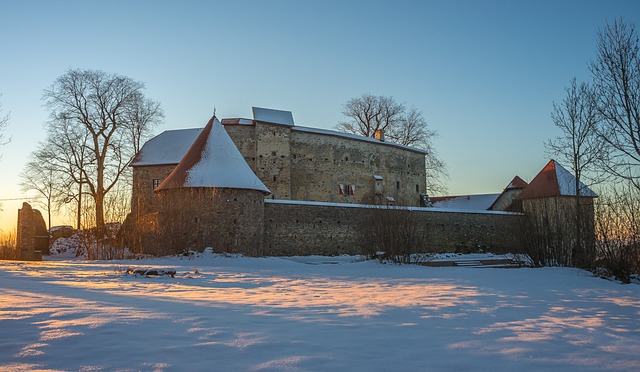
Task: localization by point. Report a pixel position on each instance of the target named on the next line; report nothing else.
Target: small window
(274, 178)
(156, 183)
(398, 185)
(418, 188)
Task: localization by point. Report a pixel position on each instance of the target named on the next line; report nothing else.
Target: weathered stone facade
(323, 189)
(227, 220)
(299, 228)
(299, 163)
(32, 238)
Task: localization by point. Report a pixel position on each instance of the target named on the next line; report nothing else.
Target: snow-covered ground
(312, 314)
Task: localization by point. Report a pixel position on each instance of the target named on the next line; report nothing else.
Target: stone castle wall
(305, 164)
(299, 228)
(143, 199)
(299, 165)
(228, 220)
(319, 163)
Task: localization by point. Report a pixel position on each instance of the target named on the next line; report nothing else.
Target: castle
(296, 163)
(265, 186)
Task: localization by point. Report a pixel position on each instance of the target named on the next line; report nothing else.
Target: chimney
(379, 134)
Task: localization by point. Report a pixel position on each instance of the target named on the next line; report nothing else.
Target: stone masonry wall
(228, 220)
(319, 163)
(143, 199)
(299, 165)
(293, 228)
(32, 238)
(296, 164)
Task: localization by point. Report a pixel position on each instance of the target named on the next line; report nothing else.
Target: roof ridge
(213, 160)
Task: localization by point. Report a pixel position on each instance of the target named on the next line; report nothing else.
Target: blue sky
(484, 73)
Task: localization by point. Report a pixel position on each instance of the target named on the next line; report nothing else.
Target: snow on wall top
(167, 147)
(213, 161)
(370, 206)
(554, 180)
(479, 202)
(334, 133)
(273, 116)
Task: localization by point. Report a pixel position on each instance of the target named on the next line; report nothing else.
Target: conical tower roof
(213, 160)
(554, 180)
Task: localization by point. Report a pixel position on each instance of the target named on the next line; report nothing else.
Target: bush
(392, 234)
(618, 232)
(8, 249)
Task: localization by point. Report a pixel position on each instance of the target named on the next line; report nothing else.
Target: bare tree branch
(98, 122)
(367, 114)
(579, 146)
(616, 76)
(4, 122)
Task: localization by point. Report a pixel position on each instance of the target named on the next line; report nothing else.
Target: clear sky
(484, 73)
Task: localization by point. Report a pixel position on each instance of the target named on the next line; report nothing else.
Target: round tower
(211, 199)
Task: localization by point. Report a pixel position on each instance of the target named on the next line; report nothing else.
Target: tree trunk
(79, 222)
(49, 213)
(99, 199)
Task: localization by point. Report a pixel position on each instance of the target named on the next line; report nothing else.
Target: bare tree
(63, 153)
(4, 122)
(580, 147)
(616, 76)
(618, 232)
(393, 234)
(103, 118)
(368, 114)
(40, 176)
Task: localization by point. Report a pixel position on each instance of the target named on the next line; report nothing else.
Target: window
(156, 183)
(398, 185)
(417, 188)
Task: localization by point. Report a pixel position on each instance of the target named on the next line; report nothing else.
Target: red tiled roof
(544, 184)
(554, 180)
(176, 179)
(213, 161)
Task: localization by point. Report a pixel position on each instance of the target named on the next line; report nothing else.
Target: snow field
(312, 314)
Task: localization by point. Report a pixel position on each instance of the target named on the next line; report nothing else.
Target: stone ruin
(32, 240)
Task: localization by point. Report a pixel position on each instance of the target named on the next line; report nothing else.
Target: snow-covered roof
(516, 183)
(167, 147)
(213, 161)
(170, 146)
(273, 116)
(479, 202)
(554, 180)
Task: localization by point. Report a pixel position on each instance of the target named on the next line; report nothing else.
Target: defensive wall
(305, 228)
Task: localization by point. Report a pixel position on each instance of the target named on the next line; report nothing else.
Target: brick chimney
(379, 134)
